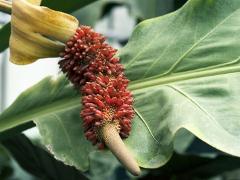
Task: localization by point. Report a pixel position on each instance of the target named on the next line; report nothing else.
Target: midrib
(57, 106)
(147, 83)
(134, 86)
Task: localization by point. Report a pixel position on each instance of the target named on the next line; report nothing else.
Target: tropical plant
(184, 75)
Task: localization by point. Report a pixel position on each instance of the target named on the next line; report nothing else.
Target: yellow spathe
(38, 32)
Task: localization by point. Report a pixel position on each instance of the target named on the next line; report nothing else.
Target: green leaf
(184, 70)
(4, 36)
(60, 5)
(58, 95)
(37, 161)
(6, 171)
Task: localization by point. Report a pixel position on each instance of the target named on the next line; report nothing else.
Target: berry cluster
(90, 65)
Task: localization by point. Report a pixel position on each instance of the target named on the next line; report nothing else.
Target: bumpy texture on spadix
(90, 65)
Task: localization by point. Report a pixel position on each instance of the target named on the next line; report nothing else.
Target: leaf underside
(184, 72)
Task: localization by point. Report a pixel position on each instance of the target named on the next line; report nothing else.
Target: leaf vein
(197, 43)
(208, 115)
(145, 123)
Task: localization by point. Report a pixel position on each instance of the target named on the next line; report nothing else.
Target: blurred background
(115, 19)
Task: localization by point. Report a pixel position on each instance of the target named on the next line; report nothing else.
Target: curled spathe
(38, 32)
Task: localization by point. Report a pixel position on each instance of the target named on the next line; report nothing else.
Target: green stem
(5, 6)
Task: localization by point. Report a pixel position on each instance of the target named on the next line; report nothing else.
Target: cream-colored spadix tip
(38, 32)
(115, 144)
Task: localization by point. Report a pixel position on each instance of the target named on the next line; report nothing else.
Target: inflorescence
(90, 64)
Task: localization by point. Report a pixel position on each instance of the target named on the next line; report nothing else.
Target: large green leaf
(184, 70)
(60, 5)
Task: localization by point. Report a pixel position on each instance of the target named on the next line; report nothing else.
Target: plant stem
(114, 142)
(5, 6)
